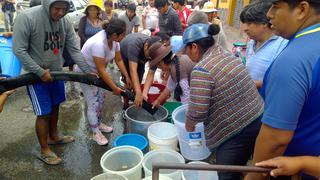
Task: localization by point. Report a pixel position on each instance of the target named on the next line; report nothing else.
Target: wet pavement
(81, 159)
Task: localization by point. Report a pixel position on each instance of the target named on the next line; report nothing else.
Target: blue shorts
(44, 96)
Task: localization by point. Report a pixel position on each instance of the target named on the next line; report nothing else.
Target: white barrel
(123, 160)
(163, 156)
(196, 175)
(192, 144)
(163, 135)
(105, 176)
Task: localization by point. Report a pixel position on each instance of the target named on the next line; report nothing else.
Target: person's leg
(6, 21)
(237, 150)
(41, 102)
(92, 98)
(11, 14)
(53, 124)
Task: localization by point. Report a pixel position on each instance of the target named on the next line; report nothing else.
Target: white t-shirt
(97, 46)
(184, 83)
(152, 17)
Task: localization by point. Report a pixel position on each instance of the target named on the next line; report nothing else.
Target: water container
(123, 160)
(9, 63)
(132, 139)
(171, 106)
(192, 144)
(163, 135)
(196, 174)
(163, 156)
(161, 177)
(106, 176)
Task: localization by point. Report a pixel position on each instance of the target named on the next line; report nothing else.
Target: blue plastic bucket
(9, 63)
(132, 139)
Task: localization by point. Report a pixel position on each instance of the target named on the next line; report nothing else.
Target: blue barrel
(10, 65)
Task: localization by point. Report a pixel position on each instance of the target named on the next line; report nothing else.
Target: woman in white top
(98, 51)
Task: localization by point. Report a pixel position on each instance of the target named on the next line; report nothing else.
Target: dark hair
(256, 13)
(313, 3)
(164, 36)
(132, 7)
(108, 3)
(153, 40)
(168, 58)
(207, 42)
(181, 2)
(160, 3)
(116, 25)
(87, 13)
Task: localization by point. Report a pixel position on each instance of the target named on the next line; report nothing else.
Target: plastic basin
(132, 139)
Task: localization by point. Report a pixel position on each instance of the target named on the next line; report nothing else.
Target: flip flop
(50, 159)
(63, 140)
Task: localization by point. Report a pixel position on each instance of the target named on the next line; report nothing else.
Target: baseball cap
(195, 32)
(177, 43)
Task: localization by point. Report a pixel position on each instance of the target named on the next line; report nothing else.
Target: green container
(171, 106)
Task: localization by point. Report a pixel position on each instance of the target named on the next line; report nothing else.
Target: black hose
(7, 84)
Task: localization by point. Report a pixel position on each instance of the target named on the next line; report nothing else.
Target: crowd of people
(263, 109)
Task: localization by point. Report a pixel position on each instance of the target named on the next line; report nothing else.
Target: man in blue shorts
(291, 87)
(40, 35)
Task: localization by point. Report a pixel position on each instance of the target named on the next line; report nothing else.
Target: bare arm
(258, 84)
(133, 66)
(270, 143)
(3, 98)
(143, 22)
(147, 84)
(288, 166)
(101, 64)
(123, 70)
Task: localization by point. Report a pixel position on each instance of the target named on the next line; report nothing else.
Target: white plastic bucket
(196, 175)
(163, 156)
(160, 178)
(123, 160)
(192, 144)
(106, 176)
(163, 135)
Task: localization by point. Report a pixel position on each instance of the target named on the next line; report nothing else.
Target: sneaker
(104, 128)
(100, 138)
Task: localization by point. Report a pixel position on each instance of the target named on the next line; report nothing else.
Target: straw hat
(208, 7)
(157, 52)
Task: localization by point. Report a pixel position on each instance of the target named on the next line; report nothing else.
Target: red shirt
(184, 14)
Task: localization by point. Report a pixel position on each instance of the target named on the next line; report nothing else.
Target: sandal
(104, 128)
(50, 159)
(63, 140)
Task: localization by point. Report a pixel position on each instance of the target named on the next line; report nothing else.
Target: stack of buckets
(9, 64)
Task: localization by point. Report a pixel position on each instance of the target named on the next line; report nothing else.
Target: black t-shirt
(131, 48)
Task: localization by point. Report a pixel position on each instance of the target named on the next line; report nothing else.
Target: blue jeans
(237, 150)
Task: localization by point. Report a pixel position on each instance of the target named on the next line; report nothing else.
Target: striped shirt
(223, 96)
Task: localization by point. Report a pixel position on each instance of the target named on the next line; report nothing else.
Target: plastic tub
(192, 144)
(171, 106)
(163, 156)
(123, 160)
(196, 175)
(9, 63)
(138, 120)
(152, 96)
(163, 135)
(106, 176)
(160, 178)
(132, 139)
